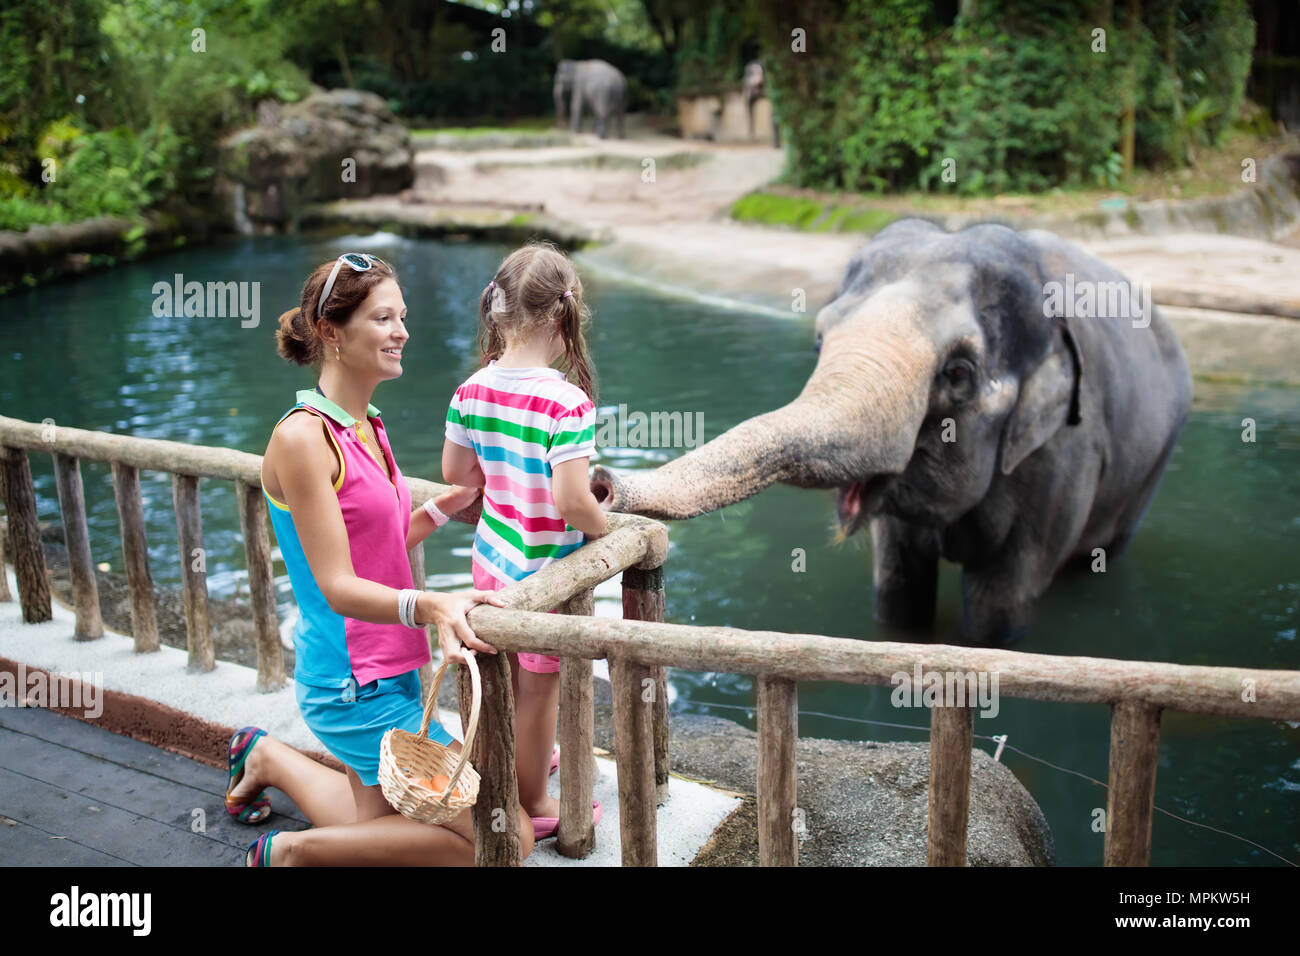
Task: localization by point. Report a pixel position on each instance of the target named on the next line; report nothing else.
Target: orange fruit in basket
(437, 783)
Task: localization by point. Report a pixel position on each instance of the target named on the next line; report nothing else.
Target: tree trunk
(343, 64)
(1128, 125)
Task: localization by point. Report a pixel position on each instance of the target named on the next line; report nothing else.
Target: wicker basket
(404, 757)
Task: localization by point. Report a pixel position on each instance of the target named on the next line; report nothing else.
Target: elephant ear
(1049, 399)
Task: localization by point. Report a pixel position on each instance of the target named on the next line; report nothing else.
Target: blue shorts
(352, 723)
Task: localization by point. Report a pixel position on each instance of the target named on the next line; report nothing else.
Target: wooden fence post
(261, 586)
(778, 734)
(135, 556)
(634, 752)
(496, 835)
(416, 558)
(577, 834)
(189, 533)
(76, 538)
(1134, 747)
(643, 600)
(25, 536)
(950, 742)
(5, 595)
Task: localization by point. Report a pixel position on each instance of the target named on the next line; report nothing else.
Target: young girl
(522, 432)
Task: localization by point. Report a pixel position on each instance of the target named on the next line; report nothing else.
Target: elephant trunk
(857, 417)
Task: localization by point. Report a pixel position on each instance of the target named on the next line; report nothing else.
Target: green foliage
(51, 54)
(1014, 98)
(202, 86)
(113, 172)
(19, 212)
(888, 114)
(1108, 172)
(1028, 105)
(1215, 54)
(126, 100)
(772, 209)
(716, 40)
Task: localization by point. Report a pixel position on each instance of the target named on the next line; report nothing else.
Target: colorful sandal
(260, 850)
(546, 827)
(241, 744)
(555, 761)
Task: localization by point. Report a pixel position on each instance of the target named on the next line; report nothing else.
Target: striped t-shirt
(521, 422)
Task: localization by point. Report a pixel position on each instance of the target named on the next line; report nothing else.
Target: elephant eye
(817, 343)
(959, 377)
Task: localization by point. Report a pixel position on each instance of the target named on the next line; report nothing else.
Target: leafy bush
(19, 212)
(113, 172)
(893, 94)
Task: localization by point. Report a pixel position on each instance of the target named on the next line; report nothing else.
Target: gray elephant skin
(596, 84)
(962, 408)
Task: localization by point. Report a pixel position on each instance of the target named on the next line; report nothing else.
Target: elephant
(965, 406)
(755, 86)
(596, 83)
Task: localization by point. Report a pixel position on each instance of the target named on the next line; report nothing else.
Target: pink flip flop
(544, 827)
(555, 761)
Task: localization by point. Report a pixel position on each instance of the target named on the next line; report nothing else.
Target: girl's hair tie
(492, 285)
(567, 293)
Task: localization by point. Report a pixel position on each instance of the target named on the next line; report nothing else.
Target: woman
(342, 518)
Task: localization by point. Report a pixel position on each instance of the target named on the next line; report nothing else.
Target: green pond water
(1213, 577)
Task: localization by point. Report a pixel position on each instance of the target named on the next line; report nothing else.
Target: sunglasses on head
(359, 261)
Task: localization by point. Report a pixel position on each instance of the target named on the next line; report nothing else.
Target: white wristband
(439, 519)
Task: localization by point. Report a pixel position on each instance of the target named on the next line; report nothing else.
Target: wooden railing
(638, 648)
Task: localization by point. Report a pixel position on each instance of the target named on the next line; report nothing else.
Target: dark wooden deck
(73, 794)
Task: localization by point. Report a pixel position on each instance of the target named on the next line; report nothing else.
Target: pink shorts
(536, 663)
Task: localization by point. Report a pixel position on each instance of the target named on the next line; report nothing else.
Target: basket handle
(476, 698)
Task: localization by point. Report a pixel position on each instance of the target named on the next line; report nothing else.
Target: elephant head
(937, 371)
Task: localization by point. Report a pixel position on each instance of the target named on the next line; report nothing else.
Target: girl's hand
(447, 612)
(458, 498)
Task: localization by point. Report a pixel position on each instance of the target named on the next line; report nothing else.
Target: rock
(295, 156)
(865, 804)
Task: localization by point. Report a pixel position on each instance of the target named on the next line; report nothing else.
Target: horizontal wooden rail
(810, 657)
(633, 542)
(177, 458)
(638, 650)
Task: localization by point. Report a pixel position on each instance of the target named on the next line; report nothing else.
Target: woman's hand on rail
(447, 613)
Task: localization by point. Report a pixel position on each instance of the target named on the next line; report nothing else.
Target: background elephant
(965, 411)
(755, 86)
(596, 83)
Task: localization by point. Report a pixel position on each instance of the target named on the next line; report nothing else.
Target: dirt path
(668, 225)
